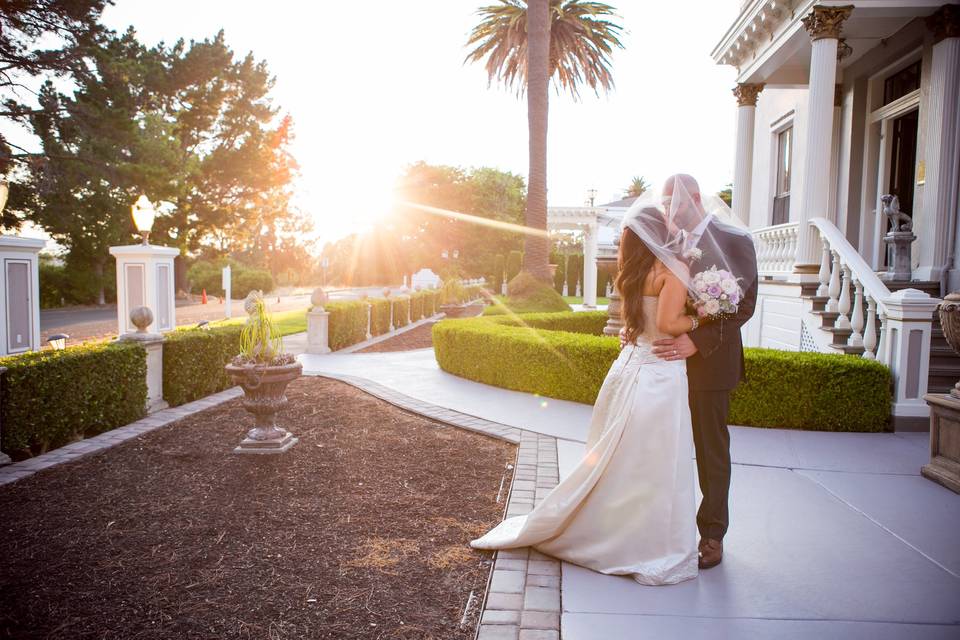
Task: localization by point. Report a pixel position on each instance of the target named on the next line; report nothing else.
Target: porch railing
(776, 249)
(894, 328)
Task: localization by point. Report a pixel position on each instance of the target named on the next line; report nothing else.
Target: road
(95, 322)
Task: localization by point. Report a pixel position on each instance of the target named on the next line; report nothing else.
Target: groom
(714, 355)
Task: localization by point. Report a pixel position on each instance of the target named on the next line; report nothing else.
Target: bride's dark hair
(634, 263)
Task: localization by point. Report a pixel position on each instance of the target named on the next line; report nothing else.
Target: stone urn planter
(263, 372)
(944, 466)
(454, 310)
(264, 393)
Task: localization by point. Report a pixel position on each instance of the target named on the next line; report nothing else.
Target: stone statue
(899, 221)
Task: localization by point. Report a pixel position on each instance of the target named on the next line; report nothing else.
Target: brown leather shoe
(711, 553)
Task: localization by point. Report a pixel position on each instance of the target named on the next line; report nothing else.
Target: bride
(629, 506)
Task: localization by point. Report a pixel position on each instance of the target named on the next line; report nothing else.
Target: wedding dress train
(629, 506)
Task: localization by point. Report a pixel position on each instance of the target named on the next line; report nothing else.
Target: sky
(385, 85)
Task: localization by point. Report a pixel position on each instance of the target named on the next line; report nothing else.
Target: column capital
(944, 22)
(826, 22)
(746, 94)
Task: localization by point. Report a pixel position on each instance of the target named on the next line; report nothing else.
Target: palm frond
(582, 39)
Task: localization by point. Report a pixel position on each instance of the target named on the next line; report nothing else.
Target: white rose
(711, 277)
(729, 285)
(712, 307)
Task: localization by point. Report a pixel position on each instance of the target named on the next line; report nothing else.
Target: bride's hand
(623, 337)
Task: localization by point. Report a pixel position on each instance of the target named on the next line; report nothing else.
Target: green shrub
(416, 305)
(52, 397)
(818, 391)
(558, 364)
(193, 362)
(452, 292)
(207, 274)
(527, 294)
(379, 316)
(574, 271)
(401, 307)
(554, 355)
(514, 264)
(247, 280)
(559, 276)
(431, 302)
(348, 323)
(499, 267)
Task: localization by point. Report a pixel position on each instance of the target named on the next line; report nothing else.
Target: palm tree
(638, 187)
(527, 43)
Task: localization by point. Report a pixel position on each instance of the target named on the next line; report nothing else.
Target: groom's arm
(709, 336)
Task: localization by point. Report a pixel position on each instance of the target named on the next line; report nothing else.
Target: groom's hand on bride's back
(623, 337)
(679, 348)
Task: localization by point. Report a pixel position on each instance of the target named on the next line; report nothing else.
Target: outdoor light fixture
(204, 324)
(4, 192)
(58, 341)
(143, 215)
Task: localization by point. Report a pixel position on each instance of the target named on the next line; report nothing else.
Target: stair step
(847, 349)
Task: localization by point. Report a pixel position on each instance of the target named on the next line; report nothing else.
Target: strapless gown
(629, 506)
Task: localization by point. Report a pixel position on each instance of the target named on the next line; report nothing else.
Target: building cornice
(756, 27)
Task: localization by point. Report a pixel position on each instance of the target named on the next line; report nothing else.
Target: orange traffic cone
(203, 297)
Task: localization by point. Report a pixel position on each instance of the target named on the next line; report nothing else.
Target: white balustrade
(843, 306)
(824, 274)
(834, 289)
(776, 248)
(870, 333)
(856, 322)
(883, 354)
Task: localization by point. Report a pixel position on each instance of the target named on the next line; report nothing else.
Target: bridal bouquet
(716, 292)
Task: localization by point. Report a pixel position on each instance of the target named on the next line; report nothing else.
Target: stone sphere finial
(386, 292)
(141, 317)
(319, 298)
(250, 302)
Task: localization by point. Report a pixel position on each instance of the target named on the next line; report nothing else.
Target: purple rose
(714, 290)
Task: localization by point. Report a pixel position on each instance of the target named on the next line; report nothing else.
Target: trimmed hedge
(348, 323)
(416, 306)
(53, 397)
(194, 360)
(819, 391)
(558, 364)
(379, 315)
(552, 354)
(401, 307)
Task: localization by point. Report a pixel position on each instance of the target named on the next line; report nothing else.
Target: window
(905, 81)
(781, 199)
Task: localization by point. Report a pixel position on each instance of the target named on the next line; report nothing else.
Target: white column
(942, 154)
(590, 266)
(746, 95)
(823, 24)
(145, 275)
(909, 323)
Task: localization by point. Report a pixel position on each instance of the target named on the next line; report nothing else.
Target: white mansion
(840, 104)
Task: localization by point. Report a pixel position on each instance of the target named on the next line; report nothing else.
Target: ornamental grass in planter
(263, 371)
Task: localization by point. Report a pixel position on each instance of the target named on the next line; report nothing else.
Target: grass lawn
(579, 300)
(287, 322)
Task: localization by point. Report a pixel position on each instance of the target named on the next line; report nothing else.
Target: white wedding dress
(629, 506)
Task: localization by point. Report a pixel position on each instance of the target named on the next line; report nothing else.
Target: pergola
(596, 225)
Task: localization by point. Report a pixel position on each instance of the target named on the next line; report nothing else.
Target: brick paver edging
(390, 334)
(523, 592)
(75, 450)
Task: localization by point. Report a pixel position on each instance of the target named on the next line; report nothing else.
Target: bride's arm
(671, 308)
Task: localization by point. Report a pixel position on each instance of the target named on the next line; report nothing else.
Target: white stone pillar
(318, 331)
(909, 327)
(590, 266)
(145, 278)
(824, 25)
(746, 95)
(153, 345)
(942, 162)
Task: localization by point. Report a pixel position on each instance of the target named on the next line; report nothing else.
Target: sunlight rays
(479, 220)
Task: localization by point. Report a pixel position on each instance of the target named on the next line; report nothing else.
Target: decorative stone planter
(944, 466)
(263, 395)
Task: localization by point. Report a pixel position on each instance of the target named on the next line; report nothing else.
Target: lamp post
(143, 216)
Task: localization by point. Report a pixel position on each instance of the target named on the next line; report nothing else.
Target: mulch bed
(360, 531)
(417, 338)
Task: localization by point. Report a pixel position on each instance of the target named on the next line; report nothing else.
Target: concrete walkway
(833, 535)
